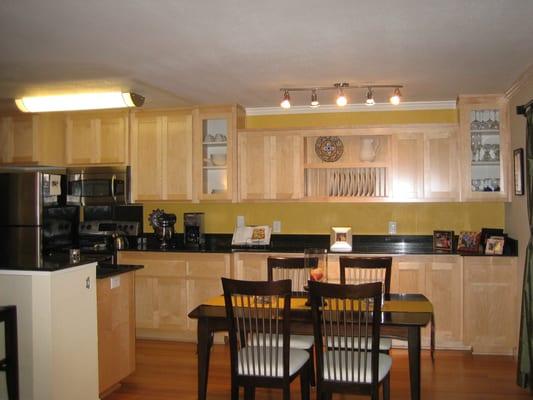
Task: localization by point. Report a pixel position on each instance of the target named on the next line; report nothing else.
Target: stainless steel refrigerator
(34, 221)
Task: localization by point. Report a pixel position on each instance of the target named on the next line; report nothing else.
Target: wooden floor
(167, 370)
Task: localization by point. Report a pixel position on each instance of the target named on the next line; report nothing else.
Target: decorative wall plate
(329, 148)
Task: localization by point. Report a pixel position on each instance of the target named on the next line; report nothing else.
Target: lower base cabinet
(171, 285)
(491, 304)
(475, 299)
(116, 329)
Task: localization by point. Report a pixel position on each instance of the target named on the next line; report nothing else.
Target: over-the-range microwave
(98, 186)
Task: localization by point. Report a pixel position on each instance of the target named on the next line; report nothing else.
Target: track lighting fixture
(395, 98)
(314, 99)
(286, 102)
(370, 98)
(341, 98)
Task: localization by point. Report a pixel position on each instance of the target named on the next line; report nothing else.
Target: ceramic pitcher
(369, 149)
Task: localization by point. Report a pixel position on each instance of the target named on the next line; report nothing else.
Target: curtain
(525, 348)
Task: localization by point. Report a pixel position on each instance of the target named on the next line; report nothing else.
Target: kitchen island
(57, 330)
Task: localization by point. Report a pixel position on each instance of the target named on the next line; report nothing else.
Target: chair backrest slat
(359, 270)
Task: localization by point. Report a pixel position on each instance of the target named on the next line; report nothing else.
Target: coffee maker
(193, 229)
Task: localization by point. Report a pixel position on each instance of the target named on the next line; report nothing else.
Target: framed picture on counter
(443, 241)
(495, 245)
(468, 242)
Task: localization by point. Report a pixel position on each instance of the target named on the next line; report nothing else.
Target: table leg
(413, 342)
(205, 341)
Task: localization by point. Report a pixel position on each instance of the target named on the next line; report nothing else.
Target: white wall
(516, 220)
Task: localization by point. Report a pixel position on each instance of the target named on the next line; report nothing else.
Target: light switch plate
(392, 227)
(276, 227)
(115, 281)
(240, 221)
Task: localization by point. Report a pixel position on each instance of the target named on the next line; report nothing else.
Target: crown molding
(331, 108)
(520, 82)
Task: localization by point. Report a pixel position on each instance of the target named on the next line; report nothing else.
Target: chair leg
(312, 365)
(234, 390)
(287, 392)
(304, 382)
(249, 393)
(386, 387)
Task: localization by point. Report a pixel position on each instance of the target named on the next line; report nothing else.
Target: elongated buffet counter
(475, 297)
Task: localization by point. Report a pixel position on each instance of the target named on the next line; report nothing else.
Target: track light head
(370, 98)
(395, 98)
(314, 99)
(341, 97)
(286, 102)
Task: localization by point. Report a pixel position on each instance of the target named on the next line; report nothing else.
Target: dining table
(402, 317)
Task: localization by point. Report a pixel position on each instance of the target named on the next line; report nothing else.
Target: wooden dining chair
(297, 270)
(349, 314)
(357, 270)
(261, 311)
(9, 364)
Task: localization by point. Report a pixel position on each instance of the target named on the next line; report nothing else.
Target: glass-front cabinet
(215, 144)
(484, 127)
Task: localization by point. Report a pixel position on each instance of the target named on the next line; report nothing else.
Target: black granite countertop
(52, 263)
(107, 270)
(361, 244)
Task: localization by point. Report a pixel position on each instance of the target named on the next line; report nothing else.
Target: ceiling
(243, 51)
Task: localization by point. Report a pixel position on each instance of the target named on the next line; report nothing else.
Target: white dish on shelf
(218, 160)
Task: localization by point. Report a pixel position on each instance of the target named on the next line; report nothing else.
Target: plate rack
(357, 182)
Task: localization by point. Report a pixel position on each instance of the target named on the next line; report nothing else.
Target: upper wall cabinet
(97, 138)
(32, 139)
(347, 164)
(161, 155)
(270, 165)
(215, 145)
(366, 164)
(485, 147)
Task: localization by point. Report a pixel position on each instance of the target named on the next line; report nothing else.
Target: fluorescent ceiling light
(82, 101)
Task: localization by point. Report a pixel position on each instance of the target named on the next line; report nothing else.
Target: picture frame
(443, 241)
(518, 168)
(495, 245)
(487, 233)
(468, 242)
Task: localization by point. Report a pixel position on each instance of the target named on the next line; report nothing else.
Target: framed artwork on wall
(518, 168)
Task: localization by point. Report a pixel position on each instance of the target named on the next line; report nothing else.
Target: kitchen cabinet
(162, 155)
(444, 288)
(270, 166)
(408, 165)
(440, 164)
(215, 151)
(170, 286)
(485, 147)
(97, 138)
(491, 306)
(32, 139)
(361, 171)
(57, 331)
(116, 329)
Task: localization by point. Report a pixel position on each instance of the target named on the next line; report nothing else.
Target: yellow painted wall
(365, 219)
(317, 218)
(351, 119)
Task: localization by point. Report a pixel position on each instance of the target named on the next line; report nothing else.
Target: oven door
(98, 186)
